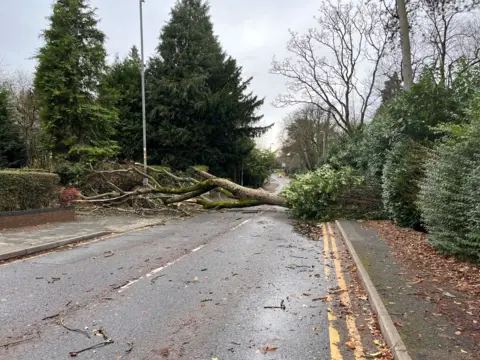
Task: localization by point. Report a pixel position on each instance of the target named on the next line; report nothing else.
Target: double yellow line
(329, 240)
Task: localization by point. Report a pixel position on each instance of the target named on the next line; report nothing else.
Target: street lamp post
(144, 116)
(324, 138)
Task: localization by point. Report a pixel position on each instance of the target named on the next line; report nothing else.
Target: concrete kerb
(389, 331)
(52, 245)
(56, 244)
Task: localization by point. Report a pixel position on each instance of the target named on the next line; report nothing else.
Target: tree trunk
(405, 40)
(239, 196)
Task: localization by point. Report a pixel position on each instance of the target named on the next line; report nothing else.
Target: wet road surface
(201, 288)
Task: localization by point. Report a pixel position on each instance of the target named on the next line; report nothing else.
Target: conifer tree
(199, 108)
(70, 67)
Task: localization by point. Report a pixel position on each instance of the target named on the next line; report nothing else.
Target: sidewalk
(29, 240)
(427, 334)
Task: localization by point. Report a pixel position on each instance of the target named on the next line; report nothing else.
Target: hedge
(402, 172)
(20, 190)
(450, 196)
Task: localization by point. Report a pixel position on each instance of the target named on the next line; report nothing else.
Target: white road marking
(242, 223)
(153, 272)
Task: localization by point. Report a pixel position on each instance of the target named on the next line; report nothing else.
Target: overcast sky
(249, 30)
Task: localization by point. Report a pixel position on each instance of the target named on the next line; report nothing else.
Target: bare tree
(335, 66)
(306, 134)
(447, 34)
(27, 112)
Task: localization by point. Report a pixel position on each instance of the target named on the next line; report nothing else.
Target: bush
(315, 195)
(410, 115)
(27, 190)
(450, 195)
(68, 195)
(404, 168)
(71, 173)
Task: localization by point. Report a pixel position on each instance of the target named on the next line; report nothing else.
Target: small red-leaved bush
(68, 195)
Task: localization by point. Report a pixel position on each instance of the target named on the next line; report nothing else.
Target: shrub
(450, 194)
(71, 173)
(68, 195)
(27, 190)
(314, 195)
(401, 175)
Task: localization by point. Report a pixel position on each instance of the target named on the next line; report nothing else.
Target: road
(192, 289)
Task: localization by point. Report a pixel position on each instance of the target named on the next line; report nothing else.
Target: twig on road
(104, 343)
(282, 306)
(76, 330)
(50, 317)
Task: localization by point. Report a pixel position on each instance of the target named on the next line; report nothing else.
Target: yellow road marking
(345, 299)
(333, 335)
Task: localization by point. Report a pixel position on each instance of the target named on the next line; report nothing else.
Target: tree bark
(405, 40)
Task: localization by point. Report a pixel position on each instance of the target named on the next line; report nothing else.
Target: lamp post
(323, 143)
(144, 116)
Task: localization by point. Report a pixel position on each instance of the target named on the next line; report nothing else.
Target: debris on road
(53, 280)
(50, 317)
(130, 347)
(75, 330)
(108, 253)
(156, 278)
(282, 306)
(104, 343)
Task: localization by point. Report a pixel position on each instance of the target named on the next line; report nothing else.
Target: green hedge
(450, 196)
(403, 170)
(27, 190)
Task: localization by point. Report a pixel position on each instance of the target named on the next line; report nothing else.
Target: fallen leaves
(351, 345)
(457, 299)
(266, 349)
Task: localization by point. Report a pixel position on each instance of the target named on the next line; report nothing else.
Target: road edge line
(389, 331)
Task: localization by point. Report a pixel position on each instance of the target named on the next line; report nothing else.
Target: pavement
(15, 241)
(426, 334)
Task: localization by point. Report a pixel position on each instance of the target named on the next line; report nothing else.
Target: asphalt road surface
(201, 288)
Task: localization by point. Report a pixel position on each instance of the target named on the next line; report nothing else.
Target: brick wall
(35, 217)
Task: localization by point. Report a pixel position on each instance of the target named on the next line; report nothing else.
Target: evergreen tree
(12, 149)
(199, 111)
(68, 78)
(122, 86)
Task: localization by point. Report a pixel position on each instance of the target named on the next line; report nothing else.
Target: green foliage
(69, 72)
(258, 167)
(71, 173)
(21, 190)
(404, 169)
(314, 195)
(199, 107)
(450, 193)
(409, 115)
(122, 88)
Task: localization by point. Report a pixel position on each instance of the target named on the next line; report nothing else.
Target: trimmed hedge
(21, 190)
(402, 172)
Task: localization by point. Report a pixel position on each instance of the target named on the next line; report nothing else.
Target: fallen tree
(156, 194)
